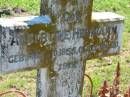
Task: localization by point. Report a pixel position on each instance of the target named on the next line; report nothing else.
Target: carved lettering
(70, 64)
(99, 39)
(68, 51)
(14, 41)
(15, 58)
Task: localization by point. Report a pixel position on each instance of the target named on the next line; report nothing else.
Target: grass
(101, 72)
(32, 6)
(98, 69)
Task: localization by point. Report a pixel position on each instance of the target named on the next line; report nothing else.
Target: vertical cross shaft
(70, 18)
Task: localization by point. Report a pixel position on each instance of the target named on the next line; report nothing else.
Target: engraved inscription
(97, 40)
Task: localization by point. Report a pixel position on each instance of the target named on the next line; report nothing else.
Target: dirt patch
(16, 11)
(125, 53)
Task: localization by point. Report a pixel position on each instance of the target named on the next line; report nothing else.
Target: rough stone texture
(99, 38)
(70, 18)
(63, 42)
(69, 56)
(12, 56)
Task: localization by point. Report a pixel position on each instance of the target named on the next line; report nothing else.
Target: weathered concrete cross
(60, 41)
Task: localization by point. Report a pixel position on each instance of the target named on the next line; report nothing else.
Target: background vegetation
(99, 69)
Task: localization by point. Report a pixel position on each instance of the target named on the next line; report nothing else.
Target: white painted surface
(14, 57)
(24, 21)
(43, 83)
(106, 17)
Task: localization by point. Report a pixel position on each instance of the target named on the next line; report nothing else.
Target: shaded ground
(12, 12)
